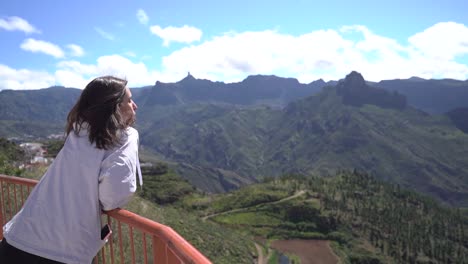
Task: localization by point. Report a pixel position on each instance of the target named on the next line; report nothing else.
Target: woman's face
(128, 107)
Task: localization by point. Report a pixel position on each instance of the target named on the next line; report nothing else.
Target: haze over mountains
(222, 135)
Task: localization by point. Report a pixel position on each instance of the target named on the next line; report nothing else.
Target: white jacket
(61, 218)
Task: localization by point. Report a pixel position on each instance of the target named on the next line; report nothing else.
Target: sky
(68, 43)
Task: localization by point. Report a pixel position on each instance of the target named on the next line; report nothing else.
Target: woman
(94, 171)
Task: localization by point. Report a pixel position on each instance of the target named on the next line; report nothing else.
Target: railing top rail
(18, 180)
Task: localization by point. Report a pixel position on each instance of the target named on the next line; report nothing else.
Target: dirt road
(261, 259)
(298, 193)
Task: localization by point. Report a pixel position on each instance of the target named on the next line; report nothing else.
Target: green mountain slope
(160, 200)
(254, 90)
(348, 126)
(35, 113)
(404, 146)
(459, 117)
(368, 221)
(219, 147)
(10, 154)
(46, 105)
(432, 96)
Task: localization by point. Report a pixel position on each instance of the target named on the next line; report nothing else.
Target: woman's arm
(117, 179)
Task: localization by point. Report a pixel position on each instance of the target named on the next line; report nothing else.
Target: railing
(145, 241)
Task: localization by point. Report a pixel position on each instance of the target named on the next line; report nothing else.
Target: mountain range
(221, 136)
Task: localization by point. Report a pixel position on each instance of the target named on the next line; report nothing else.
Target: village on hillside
(36, 152)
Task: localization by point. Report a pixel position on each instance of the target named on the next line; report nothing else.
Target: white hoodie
(61, 218)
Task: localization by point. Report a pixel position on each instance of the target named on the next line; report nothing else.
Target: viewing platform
(135, 239)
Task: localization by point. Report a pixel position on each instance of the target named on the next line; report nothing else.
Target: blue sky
(45, 43)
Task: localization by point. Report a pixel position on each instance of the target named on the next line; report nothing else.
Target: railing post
(159, 251)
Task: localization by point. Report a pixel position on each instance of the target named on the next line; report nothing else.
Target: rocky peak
(356, 92)
(188, 78)
(354, 80)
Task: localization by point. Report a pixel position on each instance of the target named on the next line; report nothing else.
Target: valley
(271, 169)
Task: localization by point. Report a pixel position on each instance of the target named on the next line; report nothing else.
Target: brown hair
(98, 111)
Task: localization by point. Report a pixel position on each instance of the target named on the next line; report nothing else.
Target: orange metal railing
(135, 239)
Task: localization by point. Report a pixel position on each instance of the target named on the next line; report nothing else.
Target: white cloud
(231, 57)
(70, 79)
(24, 79)
(17, 23)
(442, 41)
(75, 50)
(142, 16)
(136, 73)
(104, 34)
(77, 75)
(77, 67)
(327, 54)
(185, 34)
(41, 46)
